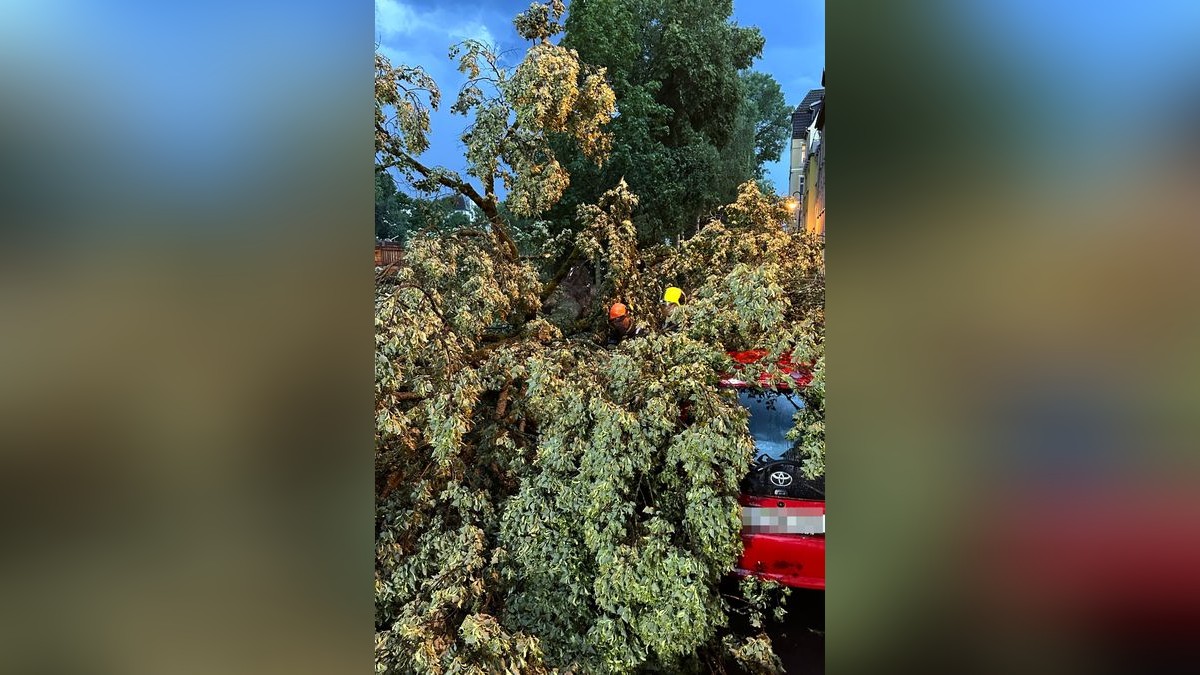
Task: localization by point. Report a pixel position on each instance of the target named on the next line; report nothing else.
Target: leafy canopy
(513, 113)
(546, 503)
(691, 125)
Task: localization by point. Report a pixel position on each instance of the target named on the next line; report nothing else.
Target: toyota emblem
(781, 479)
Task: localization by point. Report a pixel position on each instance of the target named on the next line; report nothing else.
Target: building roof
(803, 115)
(821, 113)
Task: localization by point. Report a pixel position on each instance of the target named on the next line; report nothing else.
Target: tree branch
(432, 303)
(563, 270)
(488, 205)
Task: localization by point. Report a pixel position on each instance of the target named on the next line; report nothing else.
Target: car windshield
(770, 420)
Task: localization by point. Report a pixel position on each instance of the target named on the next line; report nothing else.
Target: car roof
(800, 372)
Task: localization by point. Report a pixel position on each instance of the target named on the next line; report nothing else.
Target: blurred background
(186, 353)
(185, 359)
(1012, 313)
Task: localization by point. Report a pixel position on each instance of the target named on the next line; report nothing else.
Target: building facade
(812, 206)
(807, 176)
(802, 118)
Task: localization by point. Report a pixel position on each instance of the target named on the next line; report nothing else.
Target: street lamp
(793, 203)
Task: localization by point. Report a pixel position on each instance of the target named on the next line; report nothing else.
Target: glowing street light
(793, 204)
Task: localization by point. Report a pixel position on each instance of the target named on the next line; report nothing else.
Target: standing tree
(393, 209)
(759, 134)
(768, 109)
(675, 66)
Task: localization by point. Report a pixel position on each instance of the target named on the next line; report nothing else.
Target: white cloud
(472, 31)
(400, 57)
(393, 18)
(409, 34)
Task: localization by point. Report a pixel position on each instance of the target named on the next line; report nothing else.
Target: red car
(783, 513)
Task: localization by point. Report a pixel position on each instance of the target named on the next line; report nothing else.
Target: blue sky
(419, 32)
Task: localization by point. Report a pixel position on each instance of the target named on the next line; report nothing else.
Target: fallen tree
(544, 503)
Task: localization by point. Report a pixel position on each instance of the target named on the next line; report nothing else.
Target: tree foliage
(393, 209)
(544, 504)
(764, 104)
(398, 215)
(513, 113)
(684, 138)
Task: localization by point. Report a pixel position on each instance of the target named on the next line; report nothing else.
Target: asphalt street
(800, 639)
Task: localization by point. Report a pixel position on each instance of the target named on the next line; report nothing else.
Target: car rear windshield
(770, 420)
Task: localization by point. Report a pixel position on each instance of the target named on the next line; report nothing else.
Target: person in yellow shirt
(671, 299)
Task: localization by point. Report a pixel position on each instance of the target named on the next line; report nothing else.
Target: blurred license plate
(765, 520)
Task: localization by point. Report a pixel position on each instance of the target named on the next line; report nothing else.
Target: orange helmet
(617, 311)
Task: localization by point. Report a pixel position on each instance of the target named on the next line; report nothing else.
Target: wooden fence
(388, 253)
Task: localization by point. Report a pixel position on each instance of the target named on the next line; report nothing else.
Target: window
(770, 419)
